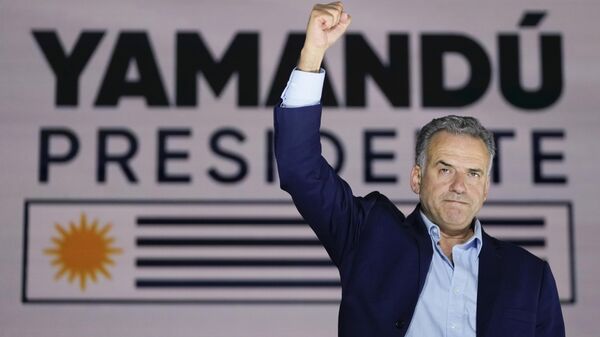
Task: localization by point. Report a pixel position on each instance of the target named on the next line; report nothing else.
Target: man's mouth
(461, 202)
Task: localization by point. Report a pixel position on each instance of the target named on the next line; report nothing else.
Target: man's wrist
(310, 60)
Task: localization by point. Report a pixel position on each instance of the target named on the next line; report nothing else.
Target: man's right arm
(323, 198)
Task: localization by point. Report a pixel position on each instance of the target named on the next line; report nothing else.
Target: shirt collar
(434, 233)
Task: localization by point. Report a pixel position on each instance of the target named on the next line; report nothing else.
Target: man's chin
(456, 219)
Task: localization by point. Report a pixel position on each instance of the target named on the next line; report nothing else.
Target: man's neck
(448, 241)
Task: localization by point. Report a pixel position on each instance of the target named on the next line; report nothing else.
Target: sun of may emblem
(82, 251)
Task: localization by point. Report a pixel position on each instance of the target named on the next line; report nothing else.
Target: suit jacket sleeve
(323, 198)
(549, 318)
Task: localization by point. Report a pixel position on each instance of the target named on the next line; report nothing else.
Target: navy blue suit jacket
(383, 256)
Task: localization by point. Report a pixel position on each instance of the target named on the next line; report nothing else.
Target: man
(433, 273)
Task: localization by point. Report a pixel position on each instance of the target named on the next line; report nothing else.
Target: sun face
(82, 251)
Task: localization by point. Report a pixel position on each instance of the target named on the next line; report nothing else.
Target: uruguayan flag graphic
(202, 251)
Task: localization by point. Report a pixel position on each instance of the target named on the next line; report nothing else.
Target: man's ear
(415, 179)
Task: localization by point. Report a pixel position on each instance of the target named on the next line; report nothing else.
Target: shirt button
(452, 326)
(400, 324)
(456, 291)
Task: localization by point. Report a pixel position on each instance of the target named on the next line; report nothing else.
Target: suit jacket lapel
(489, 280)
(423, 242)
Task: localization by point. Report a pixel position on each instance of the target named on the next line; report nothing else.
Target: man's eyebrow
(443, 163)
(477, 170)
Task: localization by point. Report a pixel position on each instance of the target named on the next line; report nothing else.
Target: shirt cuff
(303, 89)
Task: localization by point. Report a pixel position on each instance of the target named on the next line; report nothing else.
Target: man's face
(455, 182)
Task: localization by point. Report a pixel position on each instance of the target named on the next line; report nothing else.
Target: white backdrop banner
(139, 189)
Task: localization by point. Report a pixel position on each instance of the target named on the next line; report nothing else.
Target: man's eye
(444, 170)
(475, 174)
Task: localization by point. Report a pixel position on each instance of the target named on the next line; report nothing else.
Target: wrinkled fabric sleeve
(323, 198)
(549, 317)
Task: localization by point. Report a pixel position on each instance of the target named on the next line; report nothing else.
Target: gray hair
(457, 125)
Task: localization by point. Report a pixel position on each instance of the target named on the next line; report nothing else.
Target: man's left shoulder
(514, 254)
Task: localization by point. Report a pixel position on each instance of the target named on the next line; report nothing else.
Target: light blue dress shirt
(447, 305)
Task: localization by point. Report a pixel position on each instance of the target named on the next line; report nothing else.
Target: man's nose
(458, 184)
